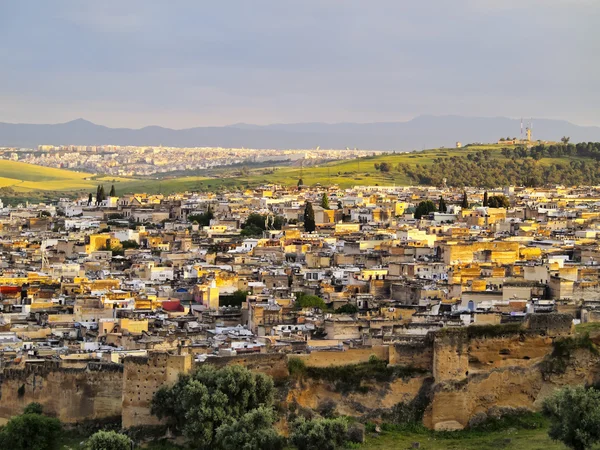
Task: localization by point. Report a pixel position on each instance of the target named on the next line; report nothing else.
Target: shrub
(30, 431)
(253, 431)
(319, 434)
(33, 408)
(108, 440)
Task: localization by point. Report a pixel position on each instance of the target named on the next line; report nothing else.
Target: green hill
(484, 166)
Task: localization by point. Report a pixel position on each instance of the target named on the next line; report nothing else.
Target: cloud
(190, 63)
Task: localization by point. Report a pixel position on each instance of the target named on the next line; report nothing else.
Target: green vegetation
(527, 431)
(310, 301)
(198, 404)
(202, 219)
(253, 431)
(558, 361)
(257, 223)
(498, 201)
(31, 430)
(483, 165)
(574, 413)
(235, 299)
(589, 327)
(348, 308)
(351, 377)
(309, 218)
(325, 201)
(319, 434)
(108, 440)
(424, 208)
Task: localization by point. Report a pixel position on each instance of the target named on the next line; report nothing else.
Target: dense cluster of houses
(137, 273)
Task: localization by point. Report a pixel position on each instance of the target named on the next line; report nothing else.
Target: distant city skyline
(187, 63)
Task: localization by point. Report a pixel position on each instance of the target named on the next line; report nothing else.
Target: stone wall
(89, 391)
(142, 377)
(342, 358)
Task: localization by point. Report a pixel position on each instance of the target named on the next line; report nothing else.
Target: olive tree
(574, 414)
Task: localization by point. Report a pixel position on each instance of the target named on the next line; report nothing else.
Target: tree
(325, 201)
(199, 403)
(348, 308)
(127, 244)
(465, 201)
(112, 193)
(203, 219)
(100, 195)
(498, 201)
(442, 206)
(565, 140)
(424, 208)
(30, 431)
(310, 301)
(90, 199)
(235, 299)
(253, 431)
(309, 218)
(300, 183)
(574, 414)
(107, 440)
(485, 198)
(33, 408)
(319, 434)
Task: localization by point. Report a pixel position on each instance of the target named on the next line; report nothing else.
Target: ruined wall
(272, 364)
(142, 377)
(91, 391)
(342, 358)
(450, 354)
(382, 396)
(417, 354)
(501, 370)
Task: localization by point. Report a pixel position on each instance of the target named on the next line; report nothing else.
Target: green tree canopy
(30, 431)
(574, 414)
(253, 431)
(325, 201)
(311, 301)
(498, 201)
(199, 403)
(203, 219)
(309, 218)
(348, 308)
(424, 208)
(107, 440)
(485, 199)
(442, 205)
(465, 201)
(319, 434)
(112, 192)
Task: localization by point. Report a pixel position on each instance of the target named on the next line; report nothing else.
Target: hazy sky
(190, 63)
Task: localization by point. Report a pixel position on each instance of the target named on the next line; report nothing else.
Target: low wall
(75, 394)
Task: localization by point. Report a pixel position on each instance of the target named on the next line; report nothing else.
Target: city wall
(89, 391)
(473, 370)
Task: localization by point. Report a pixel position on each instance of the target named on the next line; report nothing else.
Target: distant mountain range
(421, 132)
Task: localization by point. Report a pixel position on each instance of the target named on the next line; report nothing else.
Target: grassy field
(506, 439)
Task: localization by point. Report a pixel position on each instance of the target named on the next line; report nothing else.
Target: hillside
(484, 166)
(418, 133)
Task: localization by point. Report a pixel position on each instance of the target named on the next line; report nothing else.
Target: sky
(185, 63)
